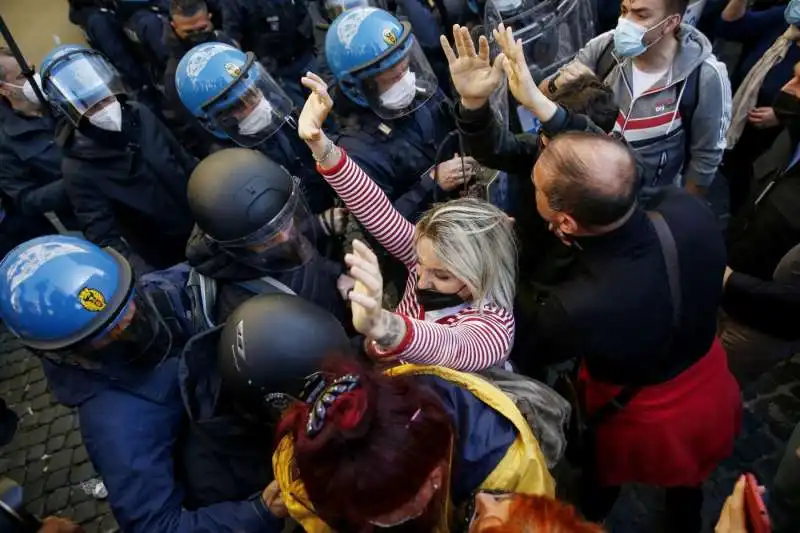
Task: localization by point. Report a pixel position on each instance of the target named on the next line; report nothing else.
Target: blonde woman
(456, 310)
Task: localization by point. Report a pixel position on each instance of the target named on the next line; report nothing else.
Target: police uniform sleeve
(131, 443)
(30, 198)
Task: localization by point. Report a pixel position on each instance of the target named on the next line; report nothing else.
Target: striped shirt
(468, 340)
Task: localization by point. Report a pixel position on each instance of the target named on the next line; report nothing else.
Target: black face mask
(432, 300)
(787, 109)
(200, 37)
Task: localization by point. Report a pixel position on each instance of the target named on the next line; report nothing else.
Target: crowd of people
(294, 260)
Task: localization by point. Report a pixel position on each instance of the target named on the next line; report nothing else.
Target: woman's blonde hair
(475, 241)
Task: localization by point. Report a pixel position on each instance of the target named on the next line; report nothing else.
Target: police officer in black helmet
(236, 379)
(254, 234)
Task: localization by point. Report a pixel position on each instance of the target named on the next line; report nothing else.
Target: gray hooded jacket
(651, 123)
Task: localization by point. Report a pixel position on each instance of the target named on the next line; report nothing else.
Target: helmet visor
(252, 109)
(401, 83)
(284, 243)
(79, 81)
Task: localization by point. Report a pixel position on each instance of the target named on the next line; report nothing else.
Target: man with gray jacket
(674, 95)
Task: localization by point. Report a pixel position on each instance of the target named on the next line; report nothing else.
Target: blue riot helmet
(231, 94)
(378, 63)
(61, 294)
(77, 79)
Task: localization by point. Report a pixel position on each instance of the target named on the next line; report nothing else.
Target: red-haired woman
(406, 450)
(520, 513)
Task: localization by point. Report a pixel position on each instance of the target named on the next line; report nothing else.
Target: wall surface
(38, 25)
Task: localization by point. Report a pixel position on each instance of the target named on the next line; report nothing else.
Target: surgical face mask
(431, 300)
(258, 119)
(629, 38)
(26, 89)
(109, 118)
(402, 93)
(200, 37)
(792, 13)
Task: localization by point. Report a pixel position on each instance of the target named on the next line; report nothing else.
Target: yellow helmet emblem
(389, 37)
(233, 69)
(92, 300)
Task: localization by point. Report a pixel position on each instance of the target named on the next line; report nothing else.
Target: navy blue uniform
(30, 166)
(133, 424)
(279, 33)
(399, 154)
(129, 188)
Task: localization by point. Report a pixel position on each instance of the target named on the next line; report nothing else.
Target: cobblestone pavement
(47, 456)
(49, 460)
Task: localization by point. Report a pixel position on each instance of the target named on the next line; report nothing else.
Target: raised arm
(361, 195)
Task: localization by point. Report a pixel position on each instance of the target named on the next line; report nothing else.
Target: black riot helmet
(271, 350)
(253, 209)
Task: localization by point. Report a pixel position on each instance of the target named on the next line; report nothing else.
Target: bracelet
(326, 153)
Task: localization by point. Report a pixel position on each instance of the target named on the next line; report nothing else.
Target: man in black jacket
(768, 225)
(125, 173)
(30, 161)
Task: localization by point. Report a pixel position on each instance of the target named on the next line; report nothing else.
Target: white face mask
(109, 118)
(27, 89)
(402, 93)
(258, 120)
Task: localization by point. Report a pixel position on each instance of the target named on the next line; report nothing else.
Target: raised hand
(520, 81)
(367, 296)
(316, 109)
(474, 77)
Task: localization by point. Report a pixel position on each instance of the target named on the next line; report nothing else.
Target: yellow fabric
(523, 469)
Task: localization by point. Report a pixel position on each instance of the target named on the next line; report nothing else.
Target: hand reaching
(316, 108)
(732, 518)
(367, 296)
(474, 77)
(452, 173)
(520, 81)
(274, 501)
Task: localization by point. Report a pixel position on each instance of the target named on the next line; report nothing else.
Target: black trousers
(683, 506)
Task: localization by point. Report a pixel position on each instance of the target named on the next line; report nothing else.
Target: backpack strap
(606, 62)
(670, 253)
(265, 285)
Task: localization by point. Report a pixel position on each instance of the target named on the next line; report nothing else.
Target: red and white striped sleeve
(372, 208)
(472, 342)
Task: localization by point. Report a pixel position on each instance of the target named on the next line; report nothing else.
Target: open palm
(474, 77)
(316, 109)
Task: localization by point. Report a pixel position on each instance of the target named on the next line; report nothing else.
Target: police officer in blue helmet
(231, 95)
(394, 117)
(124, 171)
(112, 347)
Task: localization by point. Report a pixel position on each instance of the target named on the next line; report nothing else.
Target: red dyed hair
(377, 447)
(540, 514)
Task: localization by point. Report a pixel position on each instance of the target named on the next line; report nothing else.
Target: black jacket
(615, 311)
(131, 195)
(315, 281)
(772, 307)
(30, 166)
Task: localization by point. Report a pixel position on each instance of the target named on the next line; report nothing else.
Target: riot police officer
(236, 380)
(279, 33)
(109, 347)
(234, 97)
(255, 234)
(124, 171)
(394, 117)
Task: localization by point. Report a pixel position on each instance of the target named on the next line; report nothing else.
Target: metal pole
(27, 71)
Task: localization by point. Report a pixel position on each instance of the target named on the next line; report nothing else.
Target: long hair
(540, 514)
(475, 241)
(376, 448)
